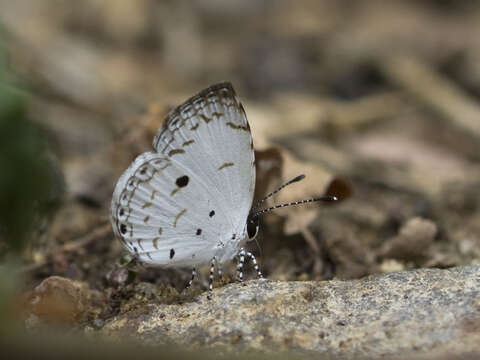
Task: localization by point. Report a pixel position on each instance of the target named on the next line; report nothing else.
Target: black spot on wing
(199, 231)
(211, 213)
(182, 181)
(172, 253)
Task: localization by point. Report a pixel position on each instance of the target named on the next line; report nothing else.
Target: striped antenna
(259, 202)
(263, 211)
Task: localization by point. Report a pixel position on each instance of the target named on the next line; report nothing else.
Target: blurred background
(376, 102)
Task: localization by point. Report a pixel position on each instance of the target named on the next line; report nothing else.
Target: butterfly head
(252, 227)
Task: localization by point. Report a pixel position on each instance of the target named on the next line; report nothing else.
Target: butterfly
(188, 202)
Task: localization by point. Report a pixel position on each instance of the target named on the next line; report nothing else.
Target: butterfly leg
(255, 265)
(241, 262)
(210, 278)
(194, 273)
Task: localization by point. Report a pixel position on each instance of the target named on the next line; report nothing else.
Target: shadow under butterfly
(189, 201)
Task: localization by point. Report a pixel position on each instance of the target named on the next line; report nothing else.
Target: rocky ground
(405, 313)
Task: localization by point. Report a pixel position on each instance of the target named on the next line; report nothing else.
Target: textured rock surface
(428, 311)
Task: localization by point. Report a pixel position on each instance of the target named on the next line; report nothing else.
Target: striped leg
(255, 265)
(210, 278)
(241, 262)
(194, 273)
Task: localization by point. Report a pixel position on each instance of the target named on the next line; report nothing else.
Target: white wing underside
(188, 200)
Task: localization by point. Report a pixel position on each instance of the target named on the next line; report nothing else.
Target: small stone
(391, 265)
(118, 277)
(62, 301)
(98, 323)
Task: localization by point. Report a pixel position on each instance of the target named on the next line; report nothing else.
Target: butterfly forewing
(190, 198)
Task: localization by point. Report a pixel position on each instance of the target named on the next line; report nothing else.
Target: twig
(437, 92)
(349, 116)
(311, 241)
(101, 231)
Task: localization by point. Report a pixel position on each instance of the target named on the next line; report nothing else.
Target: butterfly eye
(252, 227)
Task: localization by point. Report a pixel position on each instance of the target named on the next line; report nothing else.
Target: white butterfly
(189, 201)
